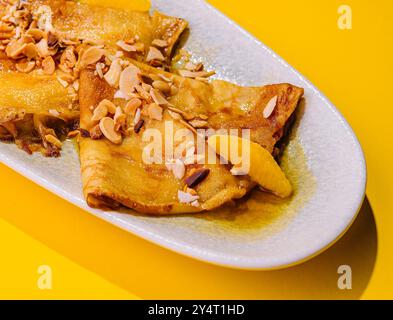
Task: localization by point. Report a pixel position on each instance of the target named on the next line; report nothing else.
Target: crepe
(35, 106)
(115, 175)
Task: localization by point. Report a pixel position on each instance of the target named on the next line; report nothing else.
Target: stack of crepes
(108, 76)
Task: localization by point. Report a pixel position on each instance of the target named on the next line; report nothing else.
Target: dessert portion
(154, 132)
(118, 115)
(44, 45)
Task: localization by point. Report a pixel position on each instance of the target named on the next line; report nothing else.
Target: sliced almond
(125, 46)
(162, 86)
(42, 48)
(48, 65)
(100, 112)
(185, 197)
(119, 118)
(154, 54)
(129, 78)
(25, 66)
(53, 140)
(107, 126)
(30, 51)
(158, 97)
(154, 111)
(137, 117)
(270, 106)
(68, 57)
(196, 74)
(160, 43)
(113, 74)
(132, 105)
(91, 56)
(15, 49)
(37, 34)
(196, 123)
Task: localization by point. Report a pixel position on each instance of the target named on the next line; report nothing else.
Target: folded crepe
(114, 172)
(41, 45)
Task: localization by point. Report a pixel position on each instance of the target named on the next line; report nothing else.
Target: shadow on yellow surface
(149, 271)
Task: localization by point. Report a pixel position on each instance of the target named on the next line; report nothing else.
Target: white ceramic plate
(324, 159)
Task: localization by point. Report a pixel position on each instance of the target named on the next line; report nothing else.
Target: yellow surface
(92, 259)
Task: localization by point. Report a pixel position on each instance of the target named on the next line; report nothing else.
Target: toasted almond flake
(175, 115)
(270, 106)
(195, 204)
(146, 87)
(113, 74)
(196, 123)
(99, 67)
(15, 49)
(73, 134)
(120, 95)
(91, 56)
(154, 54)
(154, 111)
(48, 65)
(132, 105)
(162, 86)
(44, 14)
(75, 85)
(119, 118)
(95, 132)
(165, 78)
(62, 82)
(160, 43)
(100, 112)
(158, 97)
(129, 78)
(25, 66)
(42, 47)
(54, 112)
(37, 34)
(238, 171)
(126, 47)
(137, 117)
(109, 105)
(176, 166)
(185, 197)
(30, 51)
(68, 57)
(195, 74)
(107, 126)
(53, 140)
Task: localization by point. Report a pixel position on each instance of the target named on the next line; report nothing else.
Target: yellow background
(92, 259)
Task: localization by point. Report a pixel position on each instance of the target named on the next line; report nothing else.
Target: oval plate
(324, 157)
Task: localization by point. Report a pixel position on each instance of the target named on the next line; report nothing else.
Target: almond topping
(196, 74)
(137, 117)
(95, 132)
(15, 49)
(155, 111)
(160, 43)
(129, 78)
(154, 54)
(196, 123)
(42, 48)
(119, 118)
(162, 86)
(48, 65)
(132, 105)
(68, 58)
(185, 197)
(53, 140)
(271, 105)
(100, 112)
(126, 47)
(158, 97)
(30, 51)
(91, 56)
(107, 126)
(177, 167)
(25, 66)
(113, 74)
